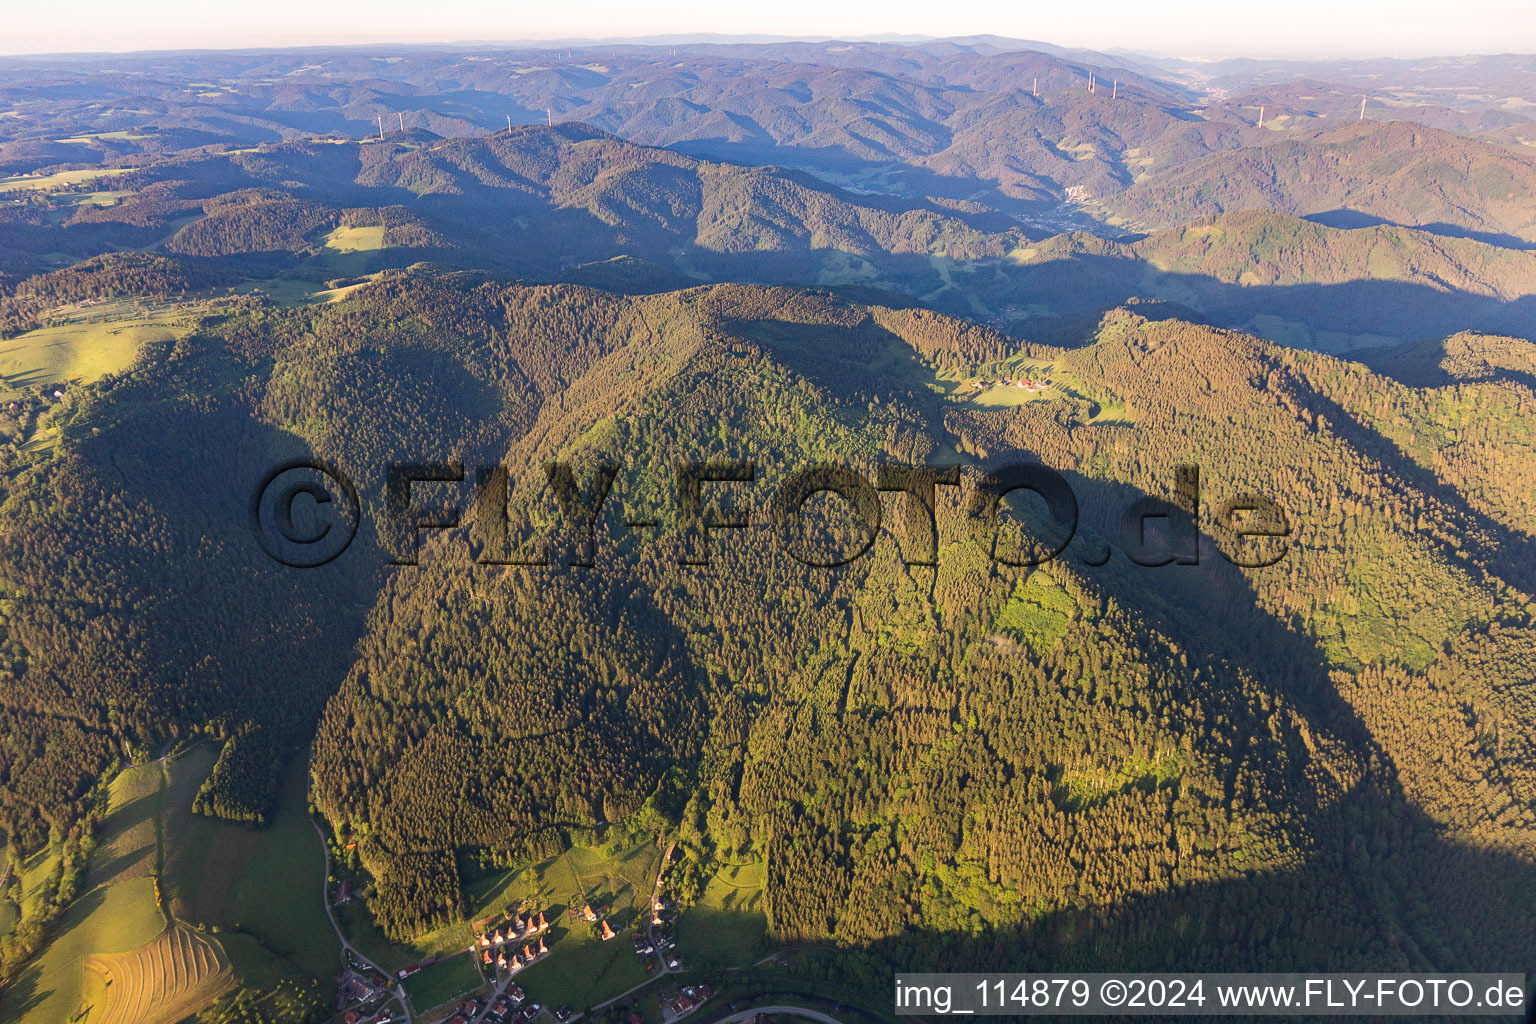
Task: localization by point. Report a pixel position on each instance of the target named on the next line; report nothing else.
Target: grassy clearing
(58, 179)
(1297, 334)
(77, 351)
(110, 919)
(727, 927)
(1083, 787)
(129, 843)
(34, 871)
(345, 239)
(281, 290)
(1038, 613)
(443, 981)
(277, 896)
(120, 136)
(955, 384)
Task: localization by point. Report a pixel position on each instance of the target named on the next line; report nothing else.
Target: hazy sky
(1184, 27)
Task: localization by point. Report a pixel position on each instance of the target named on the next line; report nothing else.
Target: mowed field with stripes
(163, 981)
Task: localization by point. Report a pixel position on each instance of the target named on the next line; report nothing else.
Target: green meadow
(727, 926)
(80, 352)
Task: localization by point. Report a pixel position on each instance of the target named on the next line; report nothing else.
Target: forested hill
(1290, 279)
(924, 754)
(1395, 172)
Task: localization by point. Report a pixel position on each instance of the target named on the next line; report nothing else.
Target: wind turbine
(381, 127)
(1261, 115)
(1362, 111)
(402, 121)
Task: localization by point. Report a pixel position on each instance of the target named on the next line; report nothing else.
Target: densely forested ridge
(1397, 172)
(454, 732)
(1258, 269)
(951, 754)
(594, 267)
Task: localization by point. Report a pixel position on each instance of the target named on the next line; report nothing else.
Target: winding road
(325, 901)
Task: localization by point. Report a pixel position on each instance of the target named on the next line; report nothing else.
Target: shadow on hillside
(1381, 885)
(1512, 555)
(1357, 313)
(27, 990)
(1384, 889)
(141, 810)
(1349, 219)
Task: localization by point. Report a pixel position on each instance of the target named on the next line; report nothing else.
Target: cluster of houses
(1022, 383)
(519, 958)
(501, 1009)
(515, 943)
(659, 939)
(365, 991)
(690, 998)
(591, 916)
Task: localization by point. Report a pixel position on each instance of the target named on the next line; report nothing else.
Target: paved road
(325, 901)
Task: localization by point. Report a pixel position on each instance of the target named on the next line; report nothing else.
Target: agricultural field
(80, 352)
(283, 291)
(265, 882)
(128, 844)
(996, 389)
(257, 891)
(727, 926)
(58, 179)
(347, 239)
(109, 919)
(443, 981)
(162, 981)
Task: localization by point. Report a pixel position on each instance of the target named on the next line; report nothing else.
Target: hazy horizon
(1187, 28)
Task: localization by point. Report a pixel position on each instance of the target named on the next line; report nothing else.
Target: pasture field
(955, 383)
(281, 290)
(448, 979)
(128, 846)
(76, 351)
(163, 981)
(265, 882)
(35, 870)
(109, 919)
(58, 179)
(345, 239)
(727, 927)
